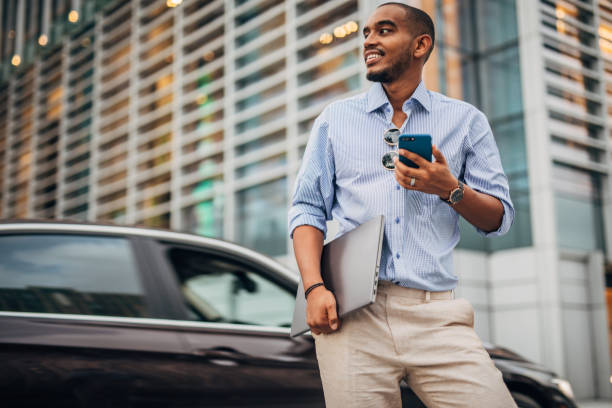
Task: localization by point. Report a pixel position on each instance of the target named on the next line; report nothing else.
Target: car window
(219, 289)
(72, 274)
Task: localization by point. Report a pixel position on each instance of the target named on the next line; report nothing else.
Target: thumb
(332, 316)
(438, 155)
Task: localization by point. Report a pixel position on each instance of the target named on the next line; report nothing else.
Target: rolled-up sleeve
(313, 194)
(484, 172)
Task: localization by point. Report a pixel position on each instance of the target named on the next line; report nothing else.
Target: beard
(390, 74)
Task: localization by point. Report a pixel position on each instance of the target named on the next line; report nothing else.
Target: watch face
(456, 195)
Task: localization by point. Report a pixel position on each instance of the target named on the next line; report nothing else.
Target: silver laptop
(349, 265)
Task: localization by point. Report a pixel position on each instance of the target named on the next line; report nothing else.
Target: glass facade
(576, 116)
(477, 60)
(137, 112)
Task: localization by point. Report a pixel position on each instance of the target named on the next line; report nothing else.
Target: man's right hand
(321, 312)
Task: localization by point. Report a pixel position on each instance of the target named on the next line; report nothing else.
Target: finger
(400, 181)
(332, 316)
(404, 181)
(315, 331)
(438, 155)
(418, 160)
(407, 171)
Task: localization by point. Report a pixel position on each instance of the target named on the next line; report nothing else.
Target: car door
(79, 324)
(237, 319)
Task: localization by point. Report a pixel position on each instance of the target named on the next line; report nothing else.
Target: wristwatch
(455, 195)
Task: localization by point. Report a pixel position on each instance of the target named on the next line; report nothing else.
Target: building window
(261, 217)
(578, 211)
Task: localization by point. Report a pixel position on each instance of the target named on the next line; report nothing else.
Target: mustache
(381, 52)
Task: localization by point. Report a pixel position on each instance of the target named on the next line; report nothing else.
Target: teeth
(372, 56)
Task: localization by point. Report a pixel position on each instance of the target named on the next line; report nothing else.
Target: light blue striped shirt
(342, 177)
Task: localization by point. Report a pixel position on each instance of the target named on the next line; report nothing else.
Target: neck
(402, 88)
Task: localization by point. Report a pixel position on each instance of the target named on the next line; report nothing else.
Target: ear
(423, 45)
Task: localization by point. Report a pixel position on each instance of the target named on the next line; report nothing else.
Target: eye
(384, 30)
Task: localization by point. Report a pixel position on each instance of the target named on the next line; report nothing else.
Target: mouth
(371, 57)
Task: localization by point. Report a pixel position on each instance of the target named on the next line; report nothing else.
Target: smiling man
(415, 330)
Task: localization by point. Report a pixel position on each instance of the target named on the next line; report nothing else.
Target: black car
(109, 316)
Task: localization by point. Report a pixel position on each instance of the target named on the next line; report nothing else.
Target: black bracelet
(316, 285)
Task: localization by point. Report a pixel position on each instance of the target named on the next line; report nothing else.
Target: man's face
(387, 45)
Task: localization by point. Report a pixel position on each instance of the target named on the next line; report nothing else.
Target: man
(415, 330)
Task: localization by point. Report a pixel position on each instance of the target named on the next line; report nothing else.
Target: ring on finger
(412, 180)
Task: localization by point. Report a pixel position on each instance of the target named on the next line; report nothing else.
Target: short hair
(418, 22)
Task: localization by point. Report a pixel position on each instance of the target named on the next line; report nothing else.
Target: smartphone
(419, 144)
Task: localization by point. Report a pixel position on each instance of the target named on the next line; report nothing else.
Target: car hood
(501, 354)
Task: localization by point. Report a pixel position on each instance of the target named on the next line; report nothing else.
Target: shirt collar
(376, 97)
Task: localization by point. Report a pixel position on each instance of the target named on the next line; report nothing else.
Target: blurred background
(194, 115)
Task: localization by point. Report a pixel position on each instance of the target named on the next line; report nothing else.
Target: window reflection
(605, 38)
(261, 221)
(157, 221)
(260, 52)
(220, 289)
(319, 48)
(324, 20)
(259, 97)
(207, 58)
(153, 51)
(205, 167)
(578, 208)
(260, 120)
(204, 21)
(571, 150)
(262, 166)
(153, 15)
(121, 53)
(261, 74)
(206, 217)
(70, 274)
(253, 12)
(330, 92)
(205, 144)
(263, 28)
(261, 142)
(308, 5)
(350, 58)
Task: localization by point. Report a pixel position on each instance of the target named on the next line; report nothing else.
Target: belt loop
(453, 294)
(427, 295)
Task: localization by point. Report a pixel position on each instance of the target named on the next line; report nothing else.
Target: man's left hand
(431, 177)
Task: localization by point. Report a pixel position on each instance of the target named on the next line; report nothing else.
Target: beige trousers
(431, 343)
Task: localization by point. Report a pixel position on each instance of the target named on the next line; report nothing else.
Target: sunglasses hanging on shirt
(391, 137)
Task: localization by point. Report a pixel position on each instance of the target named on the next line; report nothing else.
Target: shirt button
(397, 187)
(397, 220)
(397, 255)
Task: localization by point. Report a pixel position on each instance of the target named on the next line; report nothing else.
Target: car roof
(104, 228)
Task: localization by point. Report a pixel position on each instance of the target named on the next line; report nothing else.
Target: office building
(194, 115)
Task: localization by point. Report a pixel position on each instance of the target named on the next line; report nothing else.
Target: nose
(369, 41)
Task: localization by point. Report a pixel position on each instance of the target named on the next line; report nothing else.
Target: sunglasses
(391, 137)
